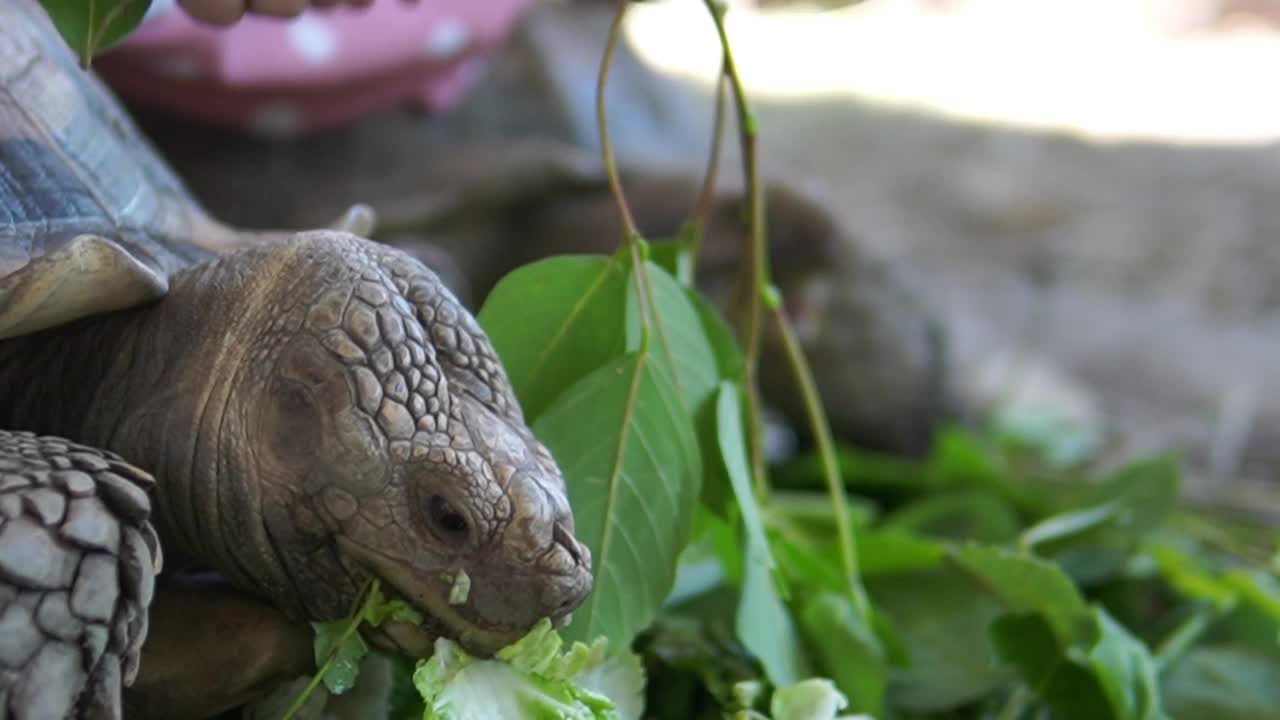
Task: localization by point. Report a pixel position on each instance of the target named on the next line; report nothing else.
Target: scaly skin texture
(77, 570)
(318, 411)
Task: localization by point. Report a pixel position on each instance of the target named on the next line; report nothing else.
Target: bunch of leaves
(1025, 589)
(1000, 576)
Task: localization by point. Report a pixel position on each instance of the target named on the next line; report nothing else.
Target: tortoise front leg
(78, 559)
(213, 648)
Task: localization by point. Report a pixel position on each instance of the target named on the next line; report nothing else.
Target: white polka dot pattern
(313, 39)
(284, 78)
(447, 38)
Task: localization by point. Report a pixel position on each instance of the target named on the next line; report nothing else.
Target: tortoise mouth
(428, 593)
(417, 640)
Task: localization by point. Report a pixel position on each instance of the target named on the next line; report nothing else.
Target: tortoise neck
(152, 384)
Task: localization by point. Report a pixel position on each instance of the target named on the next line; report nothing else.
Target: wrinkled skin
(319, 411)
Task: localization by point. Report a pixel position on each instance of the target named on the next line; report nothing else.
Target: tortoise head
(388, 443)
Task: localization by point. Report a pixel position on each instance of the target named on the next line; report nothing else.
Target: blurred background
(1078, 202)
(1085, 192)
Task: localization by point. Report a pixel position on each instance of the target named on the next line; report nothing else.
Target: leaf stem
(761, 293)
(86, 53)
(707, 195)
(602, 120)
(758, 262)
(353, 623)
(830, 467)
(632, 236)
(1184, 636)
(93, 36)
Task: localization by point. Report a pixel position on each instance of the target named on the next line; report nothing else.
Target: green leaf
(1115, 679)
(764, 625)
(1027, 584)
(627, 451)
(716, 492)
(1126, 509)
(1257, 588)
(733, 449)
(1068, 525)
(861, 470)
(1027, 642)
(813, 564)
(347, 651)
(941, 618)
(534, 653)
(1126, 671)
(554, 321)
(959, 514)
(848, 651)
(1223, 683)
(724, 345)
(93, 26)
(379, 610)
(1147, 492)
(619, 677)
(671, 257)
(959, 459)
(676, 255)
(1188, 575)
(812, 699)
(893, 550)
(766, 628)
(339, 648)
(679, 342)
(532, 679)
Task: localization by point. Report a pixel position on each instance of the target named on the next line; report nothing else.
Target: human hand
(228, 12)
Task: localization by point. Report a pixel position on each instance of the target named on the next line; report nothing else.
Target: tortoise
(280, 416)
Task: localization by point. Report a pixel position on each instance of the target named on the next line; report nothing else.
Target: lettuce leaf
(534, 678)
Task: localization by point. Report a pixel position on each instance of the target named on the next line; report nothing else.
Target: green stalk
(761, 290)
(1185, 636)
(758, 261)
(353, 624)
(706, 196)
(631, 233)
(830, 467)
(602, 122)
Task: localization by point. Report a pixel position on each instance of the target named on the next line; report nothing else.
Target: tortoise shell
(91, 218)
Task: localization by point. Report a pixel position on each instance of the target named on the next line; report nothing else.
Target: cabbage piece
(812, 699)
(531, 679)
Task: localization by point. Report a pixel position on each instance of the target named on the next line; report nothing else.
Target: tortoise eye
(450, 522)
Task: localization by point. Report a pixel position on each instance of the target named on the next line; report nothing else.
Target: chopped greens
(532, 679)
(460, 588)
